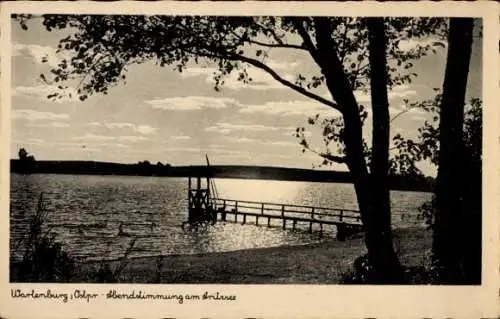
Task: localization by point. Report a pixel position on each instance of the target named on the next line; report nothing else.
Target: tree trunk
(381, 204)
(449, 227)
(374, 210)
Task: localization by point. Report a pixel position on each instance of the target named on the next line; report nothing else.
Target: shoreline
(315, 263)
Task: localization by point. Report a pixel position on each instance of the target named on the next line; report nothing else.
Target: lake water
(85, 213)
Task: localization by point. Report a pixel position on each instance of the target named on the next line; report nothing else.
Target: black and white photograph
(263, 149)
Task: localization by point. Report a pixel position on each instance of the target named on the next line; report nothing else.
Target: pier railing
(295, 213)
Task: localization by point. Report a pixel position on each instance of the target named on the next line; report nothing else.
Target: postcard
(249, 159)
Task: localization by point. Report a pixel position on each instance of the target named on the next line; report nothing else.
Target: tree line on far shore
(145, 168)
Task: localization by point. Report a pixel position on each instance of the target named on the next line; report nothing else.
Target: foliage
(426, 145)
(102, 47)
(27, 163)
(44, 259)
(24, 155)
(362, 273)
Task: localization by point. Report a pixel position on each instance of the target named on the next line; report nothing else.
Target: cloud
(51, 124)
(59, 124)
(33, 115)
(113, 125)
(413, 43)
(311, 108)
(89, 137)
(402, 91)
(281, 65)
(132, 138)
(180, 137)
(42, 91)
(93, 124)
(146, 129)
(281, 143)
(226, 128)
(242, 140)
(189, 103)
(290, 108)
(261, 80)
(143, 129)
(198, 71)
(40, 53)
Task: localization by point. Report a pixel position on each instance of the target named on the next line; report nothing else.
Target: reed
(44, 259)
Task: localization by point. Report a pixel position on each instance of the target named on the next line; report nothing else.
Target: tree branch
(309, 45)
(289, 84)
(327, 156)
(272, 45)
(270, 71)
(401, 113)
(272, 32)
(279, 43)
(344, 39)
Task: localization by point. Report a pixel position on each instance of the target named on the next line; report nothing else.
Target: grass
(44, 259)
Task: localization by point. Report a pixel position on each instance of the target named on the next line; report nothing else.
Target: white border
(287, 301)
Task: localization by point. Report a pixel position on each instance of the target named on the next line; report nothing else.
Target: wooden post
(268, 221)
(312, 218)
(198, 183)
(341, 232)
(283, 215)
(208, 192)
(223, 213)
(190, 201)
(244, 218)
(262, 209)
(256, 220)
(341, 214)
(294, 224)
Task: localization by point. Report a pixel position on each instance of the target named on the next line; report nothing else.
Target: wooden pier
(347, 221)
(205, 205)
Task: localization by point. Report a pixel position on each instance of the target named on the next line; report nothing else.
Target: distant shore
(423, 184)
(320, 263)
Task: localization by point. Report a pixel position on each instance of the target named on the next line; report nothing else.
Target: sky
(159, 114)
